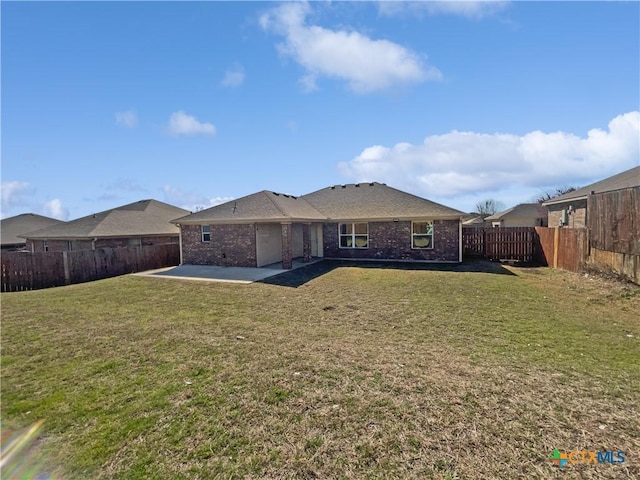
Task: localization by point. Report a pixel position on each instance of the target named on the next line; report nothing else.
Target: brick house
(146, 222)
(356, 221)
(570, 209)
(11, 227)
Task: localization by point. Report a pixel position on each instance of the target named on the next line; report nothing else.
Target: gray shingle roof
(11, 227)
(257, 207)
(145, 217)
(626, 179)
(375, 201)
(369, 201)
(530, 210)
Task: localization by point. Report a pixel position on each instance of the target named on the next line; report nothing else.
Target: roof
(360, 201)
(472, 219)
(11, 227)
(142, 218)
(371, 201)
(626, 179)
(528, 210)
(257, 207)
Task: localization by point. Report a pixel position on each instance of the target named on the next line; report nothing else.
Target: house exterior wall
(577, 218)
(520, 222)
(268, 243)
(297, 240)
(230, 246)
(63, 245)
(392, 241)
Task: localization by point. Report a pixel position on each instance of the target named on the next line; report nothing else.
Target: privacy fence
(31, 271)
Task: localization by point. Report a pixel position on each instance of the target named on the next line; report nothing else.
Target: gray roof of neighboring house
(471, 219)
(11, 227)
(528, 210)
(370, 201)
(366, 201)
(257, 207)
(626, 179)
(142, 218)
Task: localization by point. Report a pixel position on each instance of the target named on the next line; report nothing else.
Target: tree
(549, 194)
(489, 207)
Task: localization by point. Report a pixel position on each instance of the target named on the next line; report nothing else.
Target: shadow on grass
(300, 276)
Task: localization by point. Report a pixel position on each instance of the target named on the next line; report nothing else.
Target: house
(522, 215)
(145, 222)
(355, 221)
(474, 220)
(570, 209)
(11, 227)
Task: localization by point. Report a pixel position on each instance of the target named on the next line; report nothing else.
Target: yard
(360, 372)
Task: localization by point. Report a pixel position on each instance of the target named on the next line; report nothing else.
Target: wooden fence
(31, 271)
(566, 248)
(520, 244)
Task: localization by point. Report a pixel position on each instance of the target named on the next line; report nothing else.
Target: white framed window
(422, 235)
(45, 245)
(206, 233)
(353, 235)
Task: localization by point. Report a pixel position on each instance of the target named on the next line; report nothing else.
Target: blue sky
(195, 103)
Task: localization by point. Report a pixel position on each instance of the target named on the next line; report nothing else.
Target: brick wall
(230, 246)
(63, 245)
(576, 219)
(392, 241)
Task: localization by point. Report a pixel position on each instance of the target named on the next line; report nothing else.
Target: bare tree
(549, 194)
(489, 207)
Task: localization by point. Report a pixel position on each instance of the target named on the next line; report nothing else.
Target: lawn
(360, 372)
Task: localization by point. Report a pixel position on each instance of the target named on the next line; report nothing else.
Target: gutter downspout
(180, 240)
(460, 240)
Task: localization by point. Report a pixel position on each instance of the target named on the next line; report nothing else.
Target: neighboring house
(522, 215)
(473, 220)
(570, 209)
(11, 227)
(145, 222)
(363, 221)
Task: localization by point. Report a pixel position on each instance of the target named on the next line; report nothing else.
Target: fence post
(556, 241)
(65, 263)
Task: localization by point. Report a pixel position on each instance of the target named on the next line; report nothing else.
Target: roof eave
(558, 201)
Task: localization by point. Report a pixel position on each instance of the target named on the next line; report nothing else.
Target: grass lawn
(360, 372)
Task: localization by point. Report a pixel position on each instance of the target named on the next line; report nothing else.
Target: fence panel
(614, 220)
(30, 271)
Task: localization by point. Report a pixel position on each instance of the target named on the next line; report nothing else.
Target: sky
(198, 103)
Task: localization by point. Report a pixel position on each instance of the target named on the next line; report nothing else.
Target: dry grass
(357, 373)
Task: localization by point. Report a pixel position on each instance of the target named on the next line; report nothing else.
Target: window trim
(203, 233)
(413, 235)
(353, 235)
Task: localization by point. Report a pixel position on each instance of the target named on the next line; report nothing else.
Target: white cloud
(234, 77)
(181, 123)
(55, 209)
(464, 8)
(15, 194)
(191, 201)
(128, 119)
(366, 64)
(459, 164)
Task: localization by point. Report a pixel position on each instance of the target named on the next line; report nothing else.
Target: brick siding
(230, 246)
(63, 245)
(392, 241)
(576, 219)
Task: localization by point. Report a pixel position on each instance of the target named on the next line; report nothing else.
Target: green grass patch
(358, 373)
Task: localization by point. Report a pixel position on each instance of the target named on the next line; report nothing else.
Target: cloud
(182, 124)
(15, 194)
(125, 185)
(191, 201)
(469, 9)
(367, 65)
(128, 119)
(54, 208)
(234, 77)
(460, 164)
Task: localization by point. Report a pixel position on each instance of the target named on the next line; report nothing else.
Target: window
(206, 233)
(422, 235)
(354, 235)
(45, 245)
